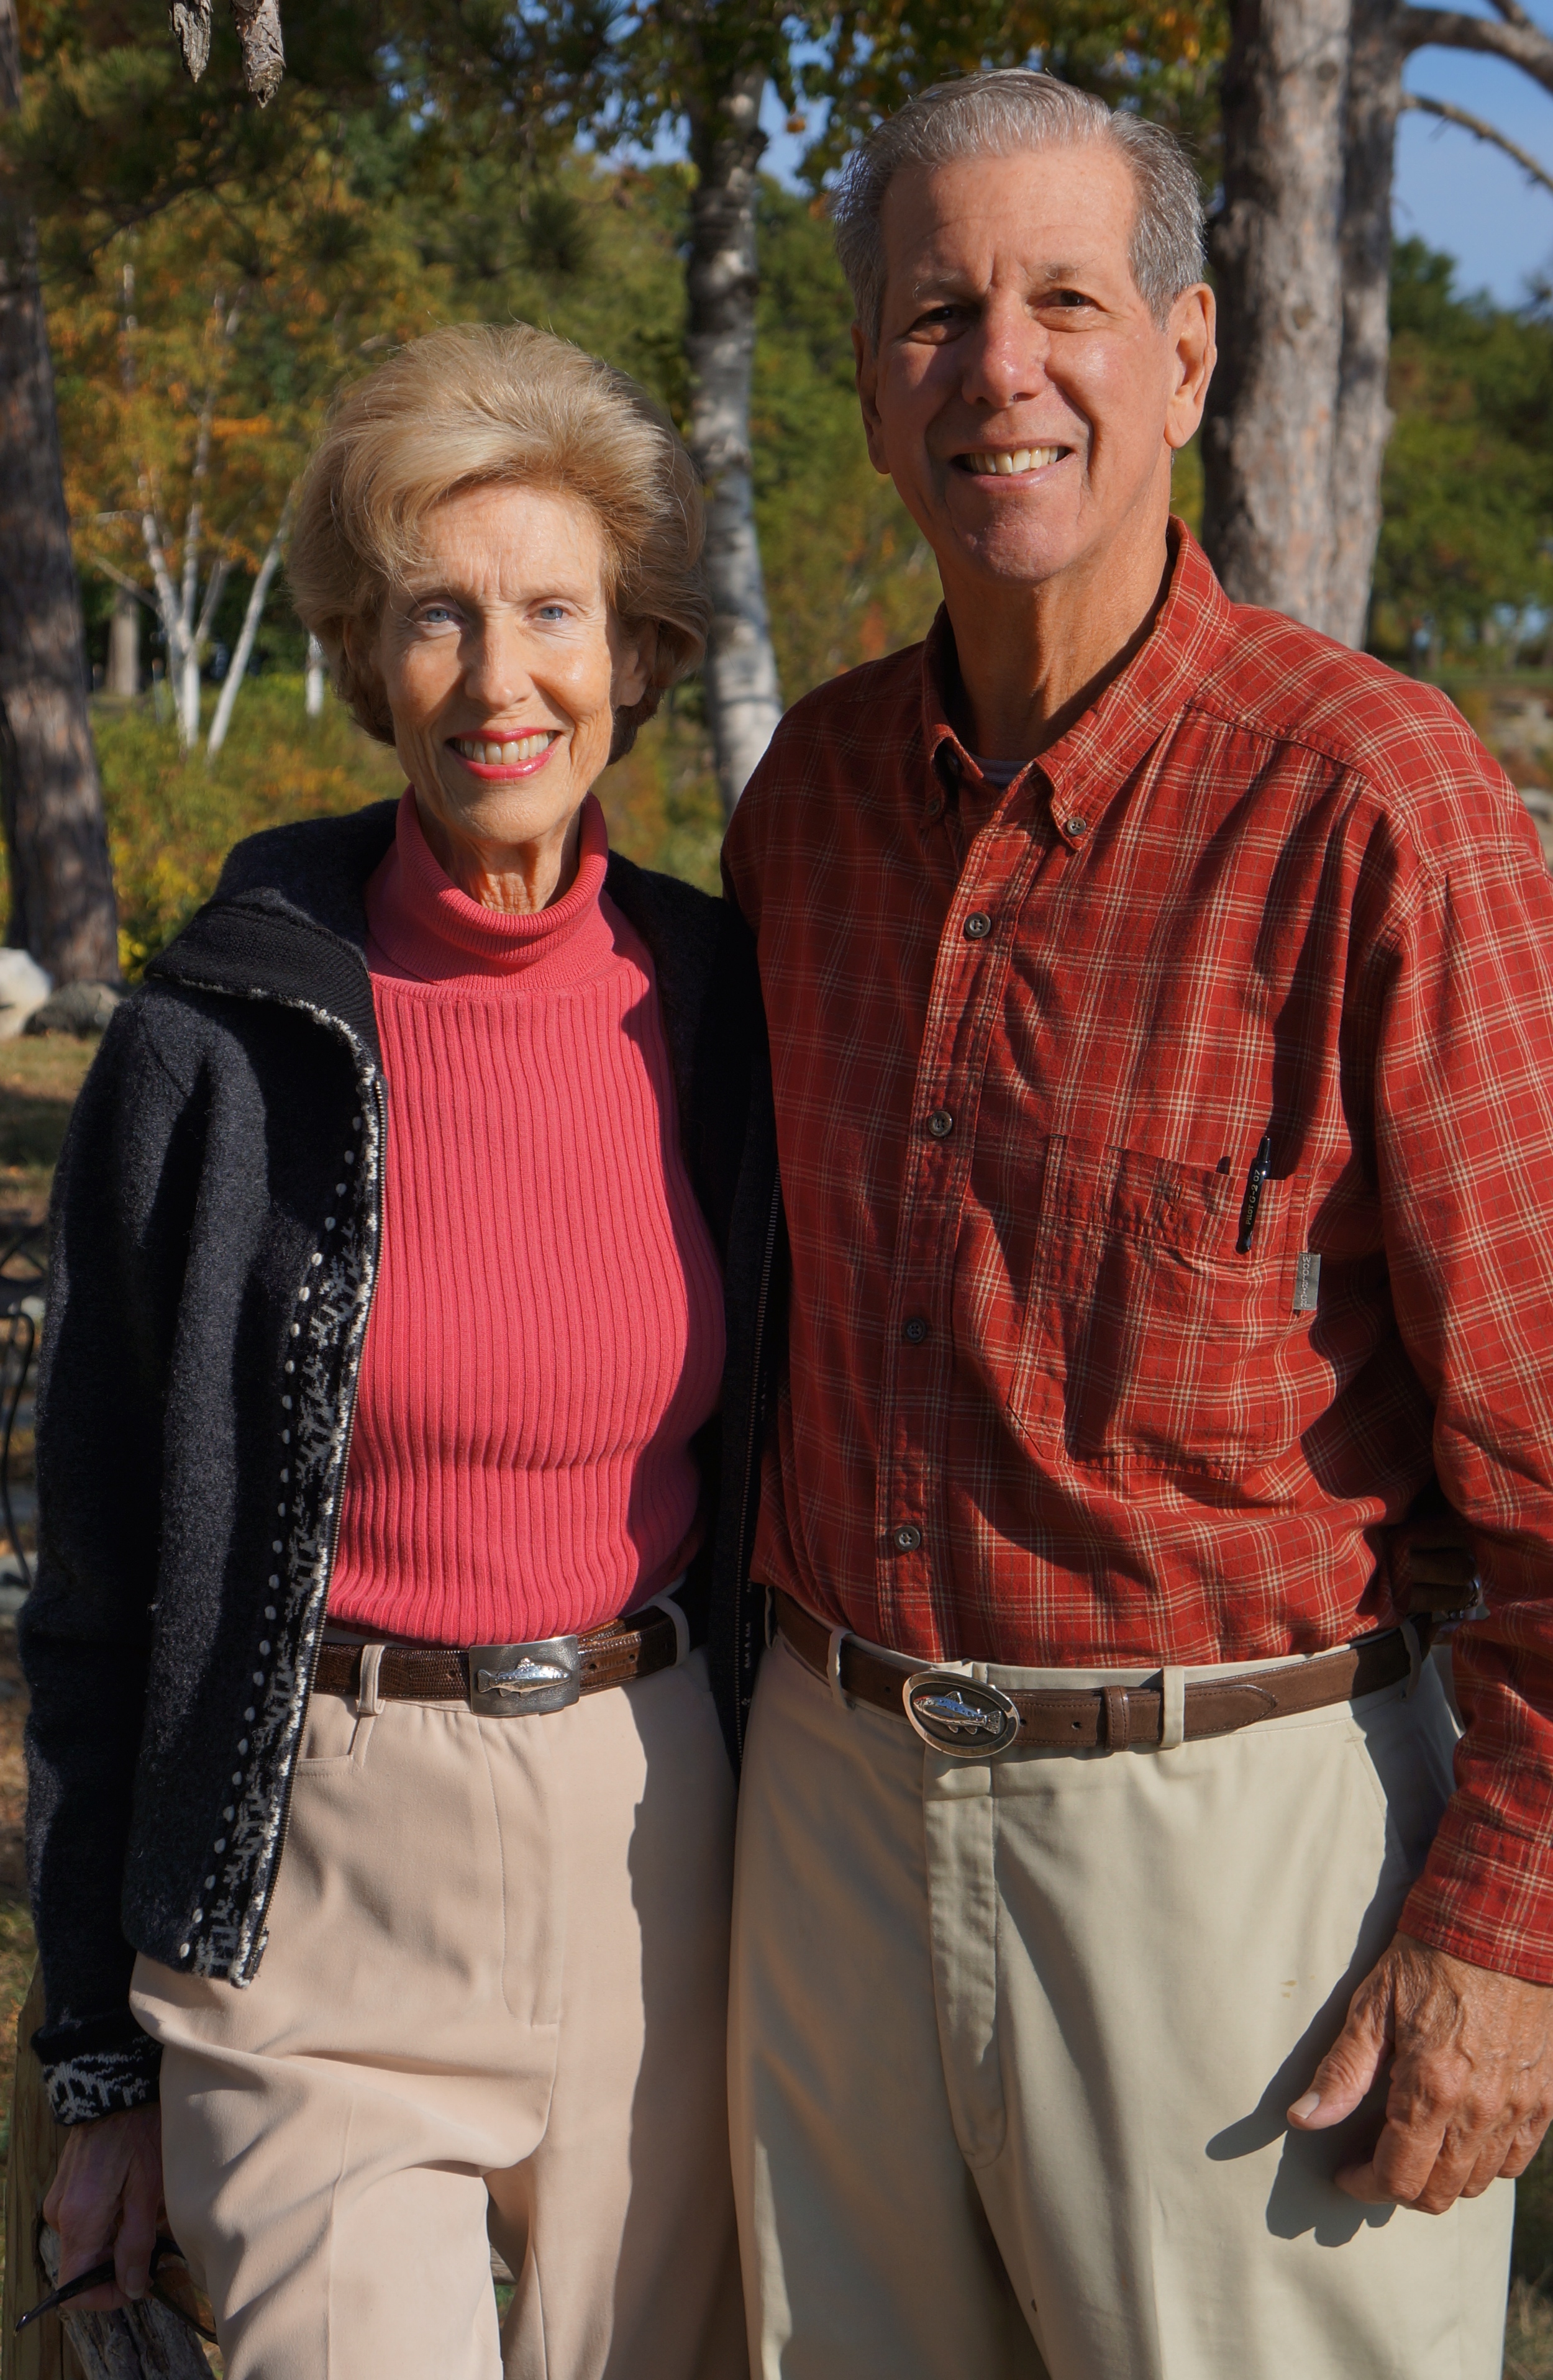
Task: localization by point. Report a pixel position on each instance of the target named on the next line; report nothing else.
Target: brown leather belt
(972, 1720)
(507, 1681)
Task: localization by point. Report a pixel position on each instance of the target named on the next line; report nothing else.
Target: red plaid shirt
(1025, 1045)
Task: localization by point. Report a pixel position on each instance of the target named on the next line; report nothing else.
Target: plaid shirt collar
(1082, 774)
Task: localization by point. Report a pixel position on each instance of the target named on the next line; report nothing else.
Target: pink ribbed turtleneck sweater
(546, 1336)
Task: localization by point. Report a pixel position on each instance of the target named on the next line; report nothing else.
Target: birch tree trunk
(1268, 441)
(1363, 418)
(62, 891)
(258, 597)
(744, 701)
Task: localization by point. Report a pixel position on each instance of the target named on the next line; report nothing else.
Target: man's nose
(1004, 357)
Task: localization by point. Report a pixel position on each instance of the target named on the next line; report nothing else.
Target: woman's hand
(107, 2200)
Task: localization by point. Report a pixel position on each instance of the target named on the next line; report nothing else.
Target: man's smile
(1010, 462)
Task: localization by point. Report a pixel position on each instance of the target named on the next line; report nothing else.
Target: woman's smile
(504, 752)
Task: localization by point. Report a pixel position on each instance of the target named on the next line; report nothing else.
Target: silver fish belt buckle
(959, 1715)
(524, 1681)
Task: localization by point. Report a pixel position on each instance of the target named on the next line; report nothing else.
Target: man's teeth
(500, 756)
(1007, 466)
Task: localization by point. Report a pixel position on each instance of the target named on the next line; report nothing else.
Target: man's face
(1022, 397)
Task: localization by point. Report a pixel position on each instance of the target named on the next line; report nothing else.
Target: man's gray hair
(1003, 114)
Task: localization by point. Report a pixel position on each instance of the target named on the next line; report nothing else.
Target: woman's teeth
(1007, 466)
(502, 756)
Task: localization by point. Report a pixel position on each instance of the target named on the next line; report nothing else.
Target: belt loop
(770, 1618)
(1172, 1697)
(368, 1702)
(1414, 1658)
(1118, 1717)
(833, 1667)
(666, 1602)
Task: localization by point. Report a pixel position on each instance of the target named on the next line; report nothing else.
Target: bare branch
(1480, 131)
(121, 578)
(1521, 45)
(259, 29)
(1514, 14)
(191, 24)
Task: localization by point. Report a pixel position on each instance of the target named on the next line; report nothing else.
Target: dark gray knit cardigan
(216, 1223)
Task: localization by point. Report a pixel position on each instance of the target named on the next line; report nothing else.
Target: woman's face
(503, 666)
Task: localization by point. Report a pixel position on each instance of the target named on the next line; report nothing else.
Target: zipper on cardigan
(258, 1938)
(751, 1447)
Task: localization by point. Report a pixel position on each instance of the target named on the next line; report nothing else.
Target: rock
(77, 1008)
(24, 987)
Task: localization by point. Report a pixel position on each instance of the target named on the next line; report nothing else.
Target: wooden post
(44, 2353)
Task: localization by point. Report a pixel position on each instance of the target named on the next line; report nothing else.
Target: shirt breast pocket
(1148, 1343)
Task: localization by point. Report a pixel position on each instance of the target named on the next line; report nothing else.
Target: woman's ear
(633, 651)
(363, 687)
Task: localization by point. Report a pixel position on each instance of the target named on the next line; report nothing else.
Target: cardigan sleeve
(119, 1229)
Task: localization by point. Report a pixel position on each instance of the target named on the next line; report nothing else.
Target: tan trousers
(495, 1992)
(1011, 2046)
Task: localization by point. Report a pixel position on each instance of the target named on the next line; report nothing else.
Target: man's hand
(107, 2200)
(1471, 2077)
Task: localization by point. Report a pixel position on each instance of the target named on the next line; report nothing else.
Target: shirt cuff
(1486, 1896)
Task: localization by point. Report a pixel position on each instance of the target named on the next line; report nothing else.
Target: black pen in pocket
(1261, 1166)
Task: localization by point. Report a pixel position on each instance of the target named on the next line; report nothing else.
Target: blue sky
(1461, 195)
(1451, 190)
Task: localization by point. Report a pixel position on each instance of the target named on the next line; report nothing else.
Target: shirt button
(908, 1536)
(1076, 825)
(914, 1331)
(935, 807)
(978, 924)
(940, 1124)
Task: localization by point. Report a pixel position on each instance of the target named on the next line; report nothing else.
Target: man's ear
(1191, 330)
(866, 378)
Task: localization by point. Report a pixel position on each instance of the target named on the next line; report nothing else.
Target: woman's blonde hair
(478, 403)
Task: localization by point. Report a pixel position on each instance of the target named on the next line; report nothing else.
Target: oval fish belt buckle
(958, 1715)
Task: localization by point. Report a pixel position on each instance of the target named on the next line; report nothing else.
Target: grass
(39, 1079)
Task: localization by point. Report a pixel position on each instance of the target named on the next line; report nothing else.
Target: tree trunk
(123, 645)
(744, 702)
(1270, 438)
(313, 682)
(1364, 419)
(62, 891)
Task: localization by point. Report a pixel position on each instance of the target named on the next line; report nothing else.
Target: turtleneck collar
(423, 930)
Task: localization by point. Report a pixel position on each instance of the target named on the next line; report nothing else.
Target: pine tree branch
(1521, 44)
(1480, 131)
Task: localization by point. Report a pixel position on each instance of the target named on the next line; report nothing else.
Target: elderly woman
(371, 1728)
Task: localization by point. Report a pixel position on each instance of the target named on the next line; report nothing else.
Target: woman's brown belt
(510, 1680)
(972, 1719)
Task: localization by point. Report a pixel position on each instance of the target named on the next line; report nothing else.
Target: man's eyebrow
(948, 282)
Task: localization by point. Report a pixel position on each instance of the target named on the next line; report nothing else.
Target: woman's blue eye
(553, 610)
(434, 615)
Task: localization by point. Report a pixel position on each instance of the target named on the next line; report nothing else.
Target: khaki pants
(1011, 2046)
(495, 1992)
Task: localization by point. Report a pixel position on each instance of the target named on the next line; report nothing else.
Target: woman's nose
(495, 673)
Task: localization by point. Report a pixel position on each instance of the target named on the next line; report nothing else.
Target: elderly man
(1161, 1003)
